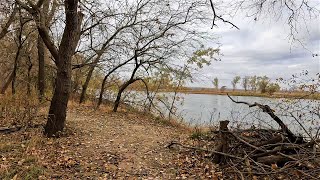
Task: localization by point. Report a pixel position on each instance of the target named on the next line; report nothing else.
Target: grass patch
(200, 134)
(7, 147)
(33, 172)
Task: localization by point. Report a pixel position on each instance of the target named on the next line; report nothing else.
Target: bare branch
(215, 16)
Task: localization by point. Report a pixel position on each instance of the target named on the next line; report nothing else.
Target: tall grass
(19, 109)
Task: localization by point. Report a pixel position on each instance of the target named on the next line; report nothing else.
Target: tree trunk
(6, 84)
(15, 69)
(117, 101)
(223, 145)
(122, 88)
(58, 107)
(86, 84)
(102, 90)
(70, 39)
(29, 76)
(41, 70)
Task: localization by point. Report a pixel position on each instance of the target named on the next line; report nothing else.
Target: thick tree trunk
(58, 108)
(41, 70)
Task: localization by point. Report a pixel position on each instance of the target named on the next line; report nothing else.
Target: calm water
(202, 109)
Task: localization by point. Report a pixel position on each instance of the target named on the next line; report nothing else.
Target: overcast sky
(262, 48)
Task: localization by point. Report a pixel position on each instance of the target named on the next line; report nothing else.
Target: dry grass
(20, 109)
(95, 144)
(304, 95)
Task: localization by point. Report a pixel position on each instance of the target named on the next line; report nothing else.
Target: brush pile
(260, 153)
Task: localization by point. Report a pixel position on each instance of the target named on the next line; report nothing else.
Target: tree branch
(269, 111)
(215, 16)
(9, 22)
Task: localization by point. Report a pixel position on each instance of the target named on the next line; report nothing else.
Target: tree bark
(41, 70)
(102, 90)
(6, 84)
(29, 75)
(70, 39)
(117, 101)
(223, 145)
(86, 84)
(122, 88)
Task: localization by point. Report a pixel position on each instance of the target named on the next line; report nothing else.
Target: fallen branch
(274, 140)
(265, 108)
(201, 149)
(248, 144)
(7, 130)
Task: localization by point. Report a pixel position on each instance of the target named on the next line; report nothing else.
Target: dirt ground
(100, 145)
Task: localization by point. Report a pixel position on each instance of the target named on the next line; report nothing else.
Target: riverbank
(101, 144)
(289, 95)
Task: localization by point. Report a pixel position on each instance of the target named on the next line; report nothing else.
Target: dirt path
(96, 145)
(124, 145)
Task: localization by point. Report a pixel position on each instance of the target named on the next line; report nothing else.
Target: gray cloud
(263, 48)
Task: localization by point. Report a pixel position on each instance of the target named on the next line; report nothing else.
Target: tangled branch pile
(264, 153)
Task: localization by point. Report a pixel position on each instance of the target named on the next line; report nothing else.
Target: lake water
(202, 109)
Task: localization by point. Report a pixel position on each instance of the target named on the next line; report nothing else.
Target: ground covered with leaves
(101, 145)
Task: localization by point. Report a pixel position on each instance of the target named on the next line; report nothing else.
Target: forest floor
(102, 145)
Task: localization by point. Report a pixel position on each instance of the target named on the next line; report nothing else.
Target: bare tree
(8, 23)
(123, 20)
(47, 18)
(62, 57)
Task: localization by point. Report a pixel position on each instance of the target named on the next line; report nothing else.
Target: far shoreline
(288, 95)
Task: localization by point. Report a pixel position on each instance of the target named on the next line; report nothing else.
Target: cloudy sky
(260, 48)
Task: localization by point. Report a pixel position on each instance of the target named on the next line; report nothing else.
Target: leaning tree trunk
(122, 88)
(6, 83)
(85, 85)
(88, 78)
(102, 90)
(62, 57)
(117, 101)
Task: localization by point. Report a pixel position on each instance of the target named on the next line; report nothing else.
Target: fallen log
(273, 159)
